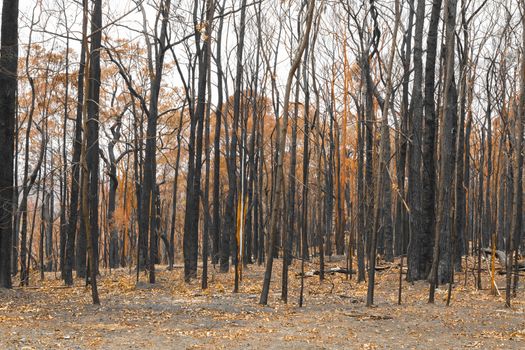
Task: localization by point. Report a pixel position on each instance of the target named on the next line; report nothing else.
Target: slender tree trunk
(175, 194)
(231, 219)
(217, 246)
(206, 196)
(281, 135)
(290, 226)
(382, 171)
(429, 140)
(148, 229)
(91, 154)
(440, 271)
(306, 163)
(43, 210)
(460, 185)
(517, 199)
(49, 266)
(8, 91)
(191, 220)
(418, 241)
(401, 215)
(63, 177)
(112, 195)
(28, 180)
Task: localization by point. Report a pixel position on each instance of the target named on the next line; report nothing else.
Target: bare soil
(175, 315)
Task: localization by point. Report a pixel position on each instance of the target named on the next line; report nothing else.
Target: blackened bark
(206, 195)
(369, 154)
(447, 171)
(289, 230)
(148, 225)
(261, 222)
(281, 136)
(92, 144)
(63, 177)
(441, 263)
(382, 202)
(28, 180)
(193, 185)
(49, 226)
(81, 240)
(217, 247)
(517, 200)
(231, 218)
(460, 193)
(112, 194)
(174, 195)
(487, 217)
(360, 232)
(466, 179)
(401, 214)
(419, 240)
(8, 89)
(429, 140)
(329, 182)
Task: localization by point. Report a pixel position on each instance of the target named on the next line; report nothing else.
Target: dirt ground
(174, 315)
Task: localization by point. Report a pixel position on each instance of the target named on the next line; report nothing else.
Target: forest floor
(175, 315)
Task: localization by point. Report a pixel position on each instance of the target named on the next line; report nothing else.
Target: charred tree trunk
(148, 229)
(401, 214)
(112, 195)
(418, 241)
(8, 91)
(441, 264)
(191, 220)
(174, 195)
(382, 170)
(217, 246)
(429, 140)
(281, 135)
(63, 177)
(517, 199)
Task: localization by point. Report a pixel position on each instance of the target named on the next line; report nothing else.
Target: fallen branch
(40, 287)
(340, 270)
(327, 271)
(384, 267)
(503, 272)
(369, 317)
(502, 257)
